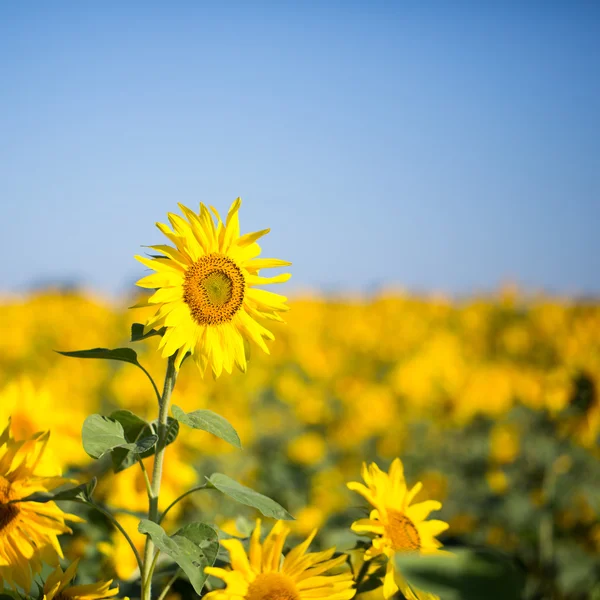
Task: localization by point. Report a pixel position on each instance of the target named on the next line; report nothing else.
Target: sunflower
(397, 526)
(263, 574)
(206, 297)
(28, 530)
(57, 586)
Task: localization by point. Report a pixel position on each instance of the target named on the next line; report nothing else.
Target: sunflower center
(214, 289)
(402, 532)
(218, 288)
(8, 512)
(272, 586)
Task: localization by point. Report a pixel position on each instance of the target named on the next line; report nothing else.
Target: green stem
(145, 473)
(118, 525)
(161, 444)
(153, 565)
(196, 489)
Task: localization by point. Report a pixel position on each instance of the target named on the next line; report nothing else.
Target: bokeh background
(433, 172)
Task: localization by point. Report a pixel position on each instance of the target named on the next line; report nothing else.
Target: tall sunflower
(57, 586)
(395, 524)
(206, 296)
(28, 530)
(264, 574)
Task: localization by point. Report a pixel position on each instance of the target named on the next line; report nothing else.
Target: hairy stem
(163, 413)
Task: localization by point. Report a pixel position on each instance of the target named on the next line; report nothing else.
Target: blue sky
(438, 146)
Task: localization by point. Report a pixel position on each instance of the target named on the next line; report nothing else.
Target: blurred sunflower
(263, 574)
(395, 524)
(206, 297)
(28, 530)
(57, 586)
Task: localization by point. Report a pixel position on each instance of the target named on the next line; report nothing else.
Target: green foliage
(468, 574)
(133, 426)
(247, 496)
(207, 420)
(103, 434)
(122, 354)
(82, 492)
(137, 429)
(137, 332)
(193, 547)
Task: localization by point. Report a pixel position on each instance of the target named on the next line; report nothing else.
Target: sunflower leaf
(137, 332)
(81, 492)
(248, 496)
(144, 445)
(133, 425)
(193, 547)
(122, 354)
(207, 420)
(137, 430)
(103, 434)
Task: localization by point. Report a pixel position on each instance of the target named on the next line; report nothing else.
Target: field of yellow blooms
(492, 403)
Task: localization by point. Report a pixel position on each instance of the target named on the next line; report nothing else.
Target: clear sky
(438, 146)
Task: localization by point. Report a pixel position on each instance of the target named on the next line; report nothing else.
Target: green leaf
(82, 492)
(248, 496)
(207, 420)
(468, 574)
(102, 434)
(144, 445)
(135, 427)
(137, 332)
(172, 430)
(193, 547)
(124, 457)
(123, 354)
(132, 424)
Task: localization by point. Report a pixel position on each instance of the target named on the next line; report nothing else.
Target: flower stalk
(154, 491)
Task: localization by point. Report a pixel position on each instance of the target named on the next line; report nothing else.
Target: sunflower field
(368, 414)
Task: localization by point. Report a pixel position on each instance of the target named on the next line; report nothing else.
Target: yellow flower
(57, 587)
(28, 530)
(263, 573)
(206, 297)
(397, 526)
